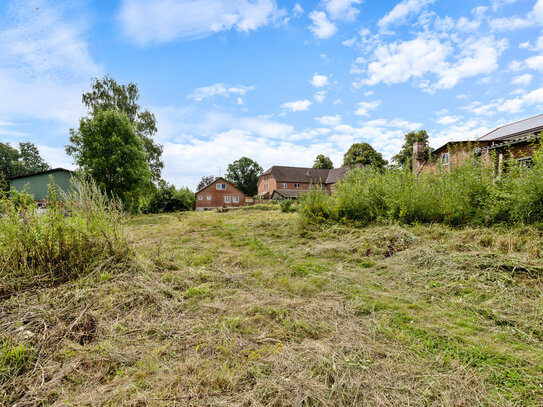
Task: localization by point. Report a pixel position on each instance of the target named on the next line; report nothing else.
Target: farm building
(36, 184)
(280, 182)
(221, 194)
(516, 141)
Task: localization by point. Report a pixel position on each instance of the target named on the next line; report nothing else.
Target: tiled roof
(306, 175)
(288, 193)
(529, 125)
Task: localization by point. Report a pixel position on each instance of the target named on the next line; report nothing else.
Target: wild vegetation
(470, 194)
(69, 239)
(256, 308)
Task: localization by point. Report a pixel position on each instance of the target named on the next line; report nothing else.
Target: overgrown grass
(471, 194)
(72, 237)
(255, 308)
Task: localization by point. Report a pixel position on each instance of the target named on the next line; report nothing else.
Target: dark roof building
(281, 182)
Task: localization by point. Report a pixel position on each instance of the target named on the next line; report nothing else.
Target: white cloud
(322, 27)
(319, 81)
(297, 106)
(401, 61)
(365, 107)
(297, 10)
(342, 9)
(162, 21)
(329, 120)
(401, 11)
(508, 106)
(218, 89)
(319, 96)
(44, 63)
(533, 18)
(350, 42)
(446, 120)
(522, 79)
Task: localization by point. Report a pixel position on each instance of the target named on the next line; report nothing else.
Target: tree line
(114, 144)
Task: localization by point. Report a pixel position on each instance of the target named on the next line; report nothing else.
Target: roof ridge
(510, 124)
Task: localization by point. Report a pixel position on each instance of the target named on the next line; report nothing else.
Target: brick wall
(217, 196)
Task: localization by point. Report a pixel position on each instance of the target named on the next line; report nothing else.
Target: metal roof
(529, 125)
(40, 173)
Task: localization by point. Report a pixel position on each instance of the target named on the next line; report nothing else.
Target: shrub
(166, 198)
(68, 239)
(316, 206)
(286, 205)
(467, 194)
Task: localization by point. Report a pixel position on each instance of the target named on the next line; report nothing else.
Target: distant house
(281, 182)
(220, 194)
(515, 141)
(37, 183)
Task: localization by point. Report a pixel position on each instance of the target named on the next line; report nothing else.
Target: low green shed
(37, 183)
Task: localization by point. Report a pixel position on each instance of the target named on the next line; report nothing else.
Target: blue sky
(277, 81)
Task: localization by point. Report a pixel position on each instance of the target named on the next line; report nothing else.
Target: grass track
(253, 308)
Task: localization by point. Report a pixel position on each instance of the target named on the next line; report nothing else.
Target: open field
(254, 308)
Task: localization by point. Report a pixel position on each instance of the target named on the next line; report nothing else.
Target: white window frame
(208, 197)
(310, 186)
(284, 185)
(265, 187)
(200, 197)
(221, 186)
(226, 199)
(297, 185)
(445, 158)
(235, 199)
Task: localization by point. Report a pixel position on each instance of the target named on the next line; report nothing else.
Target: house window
(526, 162)
(221, 186)
(265, 187)
(444, 158)
(284, 185)
(235, 199)
(208, 197)
(296, 185)
(226, 199)
(310, 186)
(200, 197)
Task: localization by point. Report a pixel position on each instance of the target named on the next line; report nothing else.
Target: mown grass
(255, 308)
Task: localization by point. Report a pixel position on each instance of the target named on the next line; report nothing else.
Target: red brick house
(220, 194)
(280, 182)
(516, 141)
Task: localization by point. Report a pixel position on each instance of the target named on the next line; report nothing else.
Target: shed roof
(524, 126)
(40, 173)
(287, 193)
(306, 175)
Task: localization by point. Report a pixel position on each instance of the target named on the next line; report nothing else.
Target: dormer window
(221, 186)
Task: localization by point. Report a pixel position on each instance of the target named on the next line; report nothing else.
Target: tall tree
(31, 158)
(107, 94)
(323, 162)
(205, 181)
(244, 173)
(363, 154)
(107, 147)
(403, 158)
(20, 161)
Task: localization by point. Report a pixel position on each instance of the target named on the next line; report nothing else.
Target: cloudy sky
(277, 81)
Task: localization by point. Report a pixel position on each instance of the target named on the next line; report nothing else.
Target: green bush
(467, 194)
(166, 198)
(286, 205)
(70, 238)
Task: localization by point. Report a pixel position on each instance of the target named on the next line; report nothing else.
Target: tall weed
(462, 195)
(70, 238)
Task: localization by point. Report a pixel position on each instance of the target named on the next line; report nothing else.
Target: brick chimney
(418, 156)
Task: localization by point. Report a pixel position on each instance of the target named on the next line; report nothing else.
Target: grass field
(253, 308)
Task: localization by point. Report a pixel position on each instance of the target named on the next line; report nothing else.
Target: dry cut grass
(253, 308)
